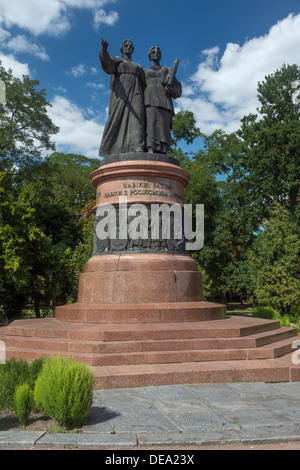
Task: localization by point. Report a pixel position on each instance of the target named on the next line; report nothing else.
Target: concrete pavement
(179, 416)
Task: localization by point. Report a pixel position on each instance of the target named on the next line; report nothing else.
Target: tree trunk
(36, 301)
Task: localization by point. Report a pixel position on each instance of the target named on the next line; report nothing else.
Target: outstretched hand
(104, 43)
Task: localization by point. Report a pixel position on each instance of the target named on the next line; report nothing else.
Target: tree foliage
(26, 128)
(250, 170)
(276, 262)
(268, 163)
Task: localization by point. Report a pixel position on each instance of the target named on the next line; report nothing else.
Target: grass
(235, 308)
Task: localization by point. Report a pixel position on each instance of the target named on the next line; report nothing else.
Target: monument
(140, 317)
(131, 274)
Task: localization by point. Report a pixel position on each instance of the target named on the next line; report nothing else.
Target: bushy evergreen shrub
(268, 313)
(64, 390)
(13, 373)
(23, 402)
(34, 370)
(271, 314)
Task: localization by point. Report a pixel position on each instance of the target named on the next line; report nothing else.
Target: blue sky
(224, 48)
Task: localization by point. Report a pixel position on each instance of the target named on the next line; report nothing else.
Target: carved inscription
(142, 188)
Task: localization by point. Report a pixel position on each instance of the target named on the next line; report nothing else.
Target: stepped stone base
(131, 313)
(135, 353)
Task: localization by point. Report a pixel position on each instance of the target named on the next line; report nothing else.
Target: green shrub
(23, 402)
(36, 395)
(64, 390)
(271, 314)
(34, 370)
(13, 373)
(285, 321)
(268, 313)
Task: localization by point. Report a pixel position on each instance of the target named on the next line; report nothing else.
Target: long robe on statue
(125, 128)
(159, 108)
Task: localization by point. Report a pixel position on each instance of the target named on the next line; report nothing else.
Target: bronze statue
(161, 87)
(125, 128)
(140, 106)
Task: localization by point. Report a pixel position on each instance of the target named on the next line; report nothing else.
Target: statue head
(154, 51)
(127, 45)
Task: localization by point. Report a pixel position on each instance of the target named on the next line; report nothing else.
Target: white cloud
(101, 17)
(9, 62)
(21, 44)
(95, 86)
(225, 88)
(46, 16)
(82, 69)
(109, 19)
(78, 70)
(78, 134)
(35, 15)
(4, 34)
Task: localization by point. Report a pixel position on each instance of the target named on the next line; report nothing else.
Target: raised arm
(107, 63)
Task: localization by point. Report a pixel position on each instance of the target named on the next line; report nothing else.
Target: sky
(224, 47)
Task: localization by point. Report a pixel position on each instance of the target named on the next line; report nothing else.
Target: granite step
(155, 357)
(108, 347)
(269, 370)
(229, 327)
(124, 354)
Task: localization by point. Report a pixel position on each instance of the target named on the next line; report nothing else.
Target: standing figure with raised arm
(161, 87)
(125, 128)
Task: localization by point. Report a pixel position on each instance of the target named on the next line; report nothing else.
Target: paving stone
(79, 441)
(209, 414)
(261, 435)
(137, 417)
(123, 395)
(210, 392)
(187, 439)
(19, 439)
(206, 421)
(263, 418)
(181, 406)
(166, 392)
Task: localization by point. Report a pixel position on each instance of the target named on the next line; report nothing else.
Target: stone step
(229, 327)
(270, 370)
(27, 352)
(107, 347)
(131, 354)
(32, 354)
(136, 375)
(162, 312)
(277, 349)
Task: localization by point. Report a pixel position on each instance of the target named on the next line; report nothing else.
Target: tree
(25, 125)
(31, 265)
(184, 127)
(275, 261)
(42, 221)
(267, 164)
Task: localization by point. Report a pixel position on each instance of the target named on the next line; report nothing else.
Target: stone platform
(132, 354)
